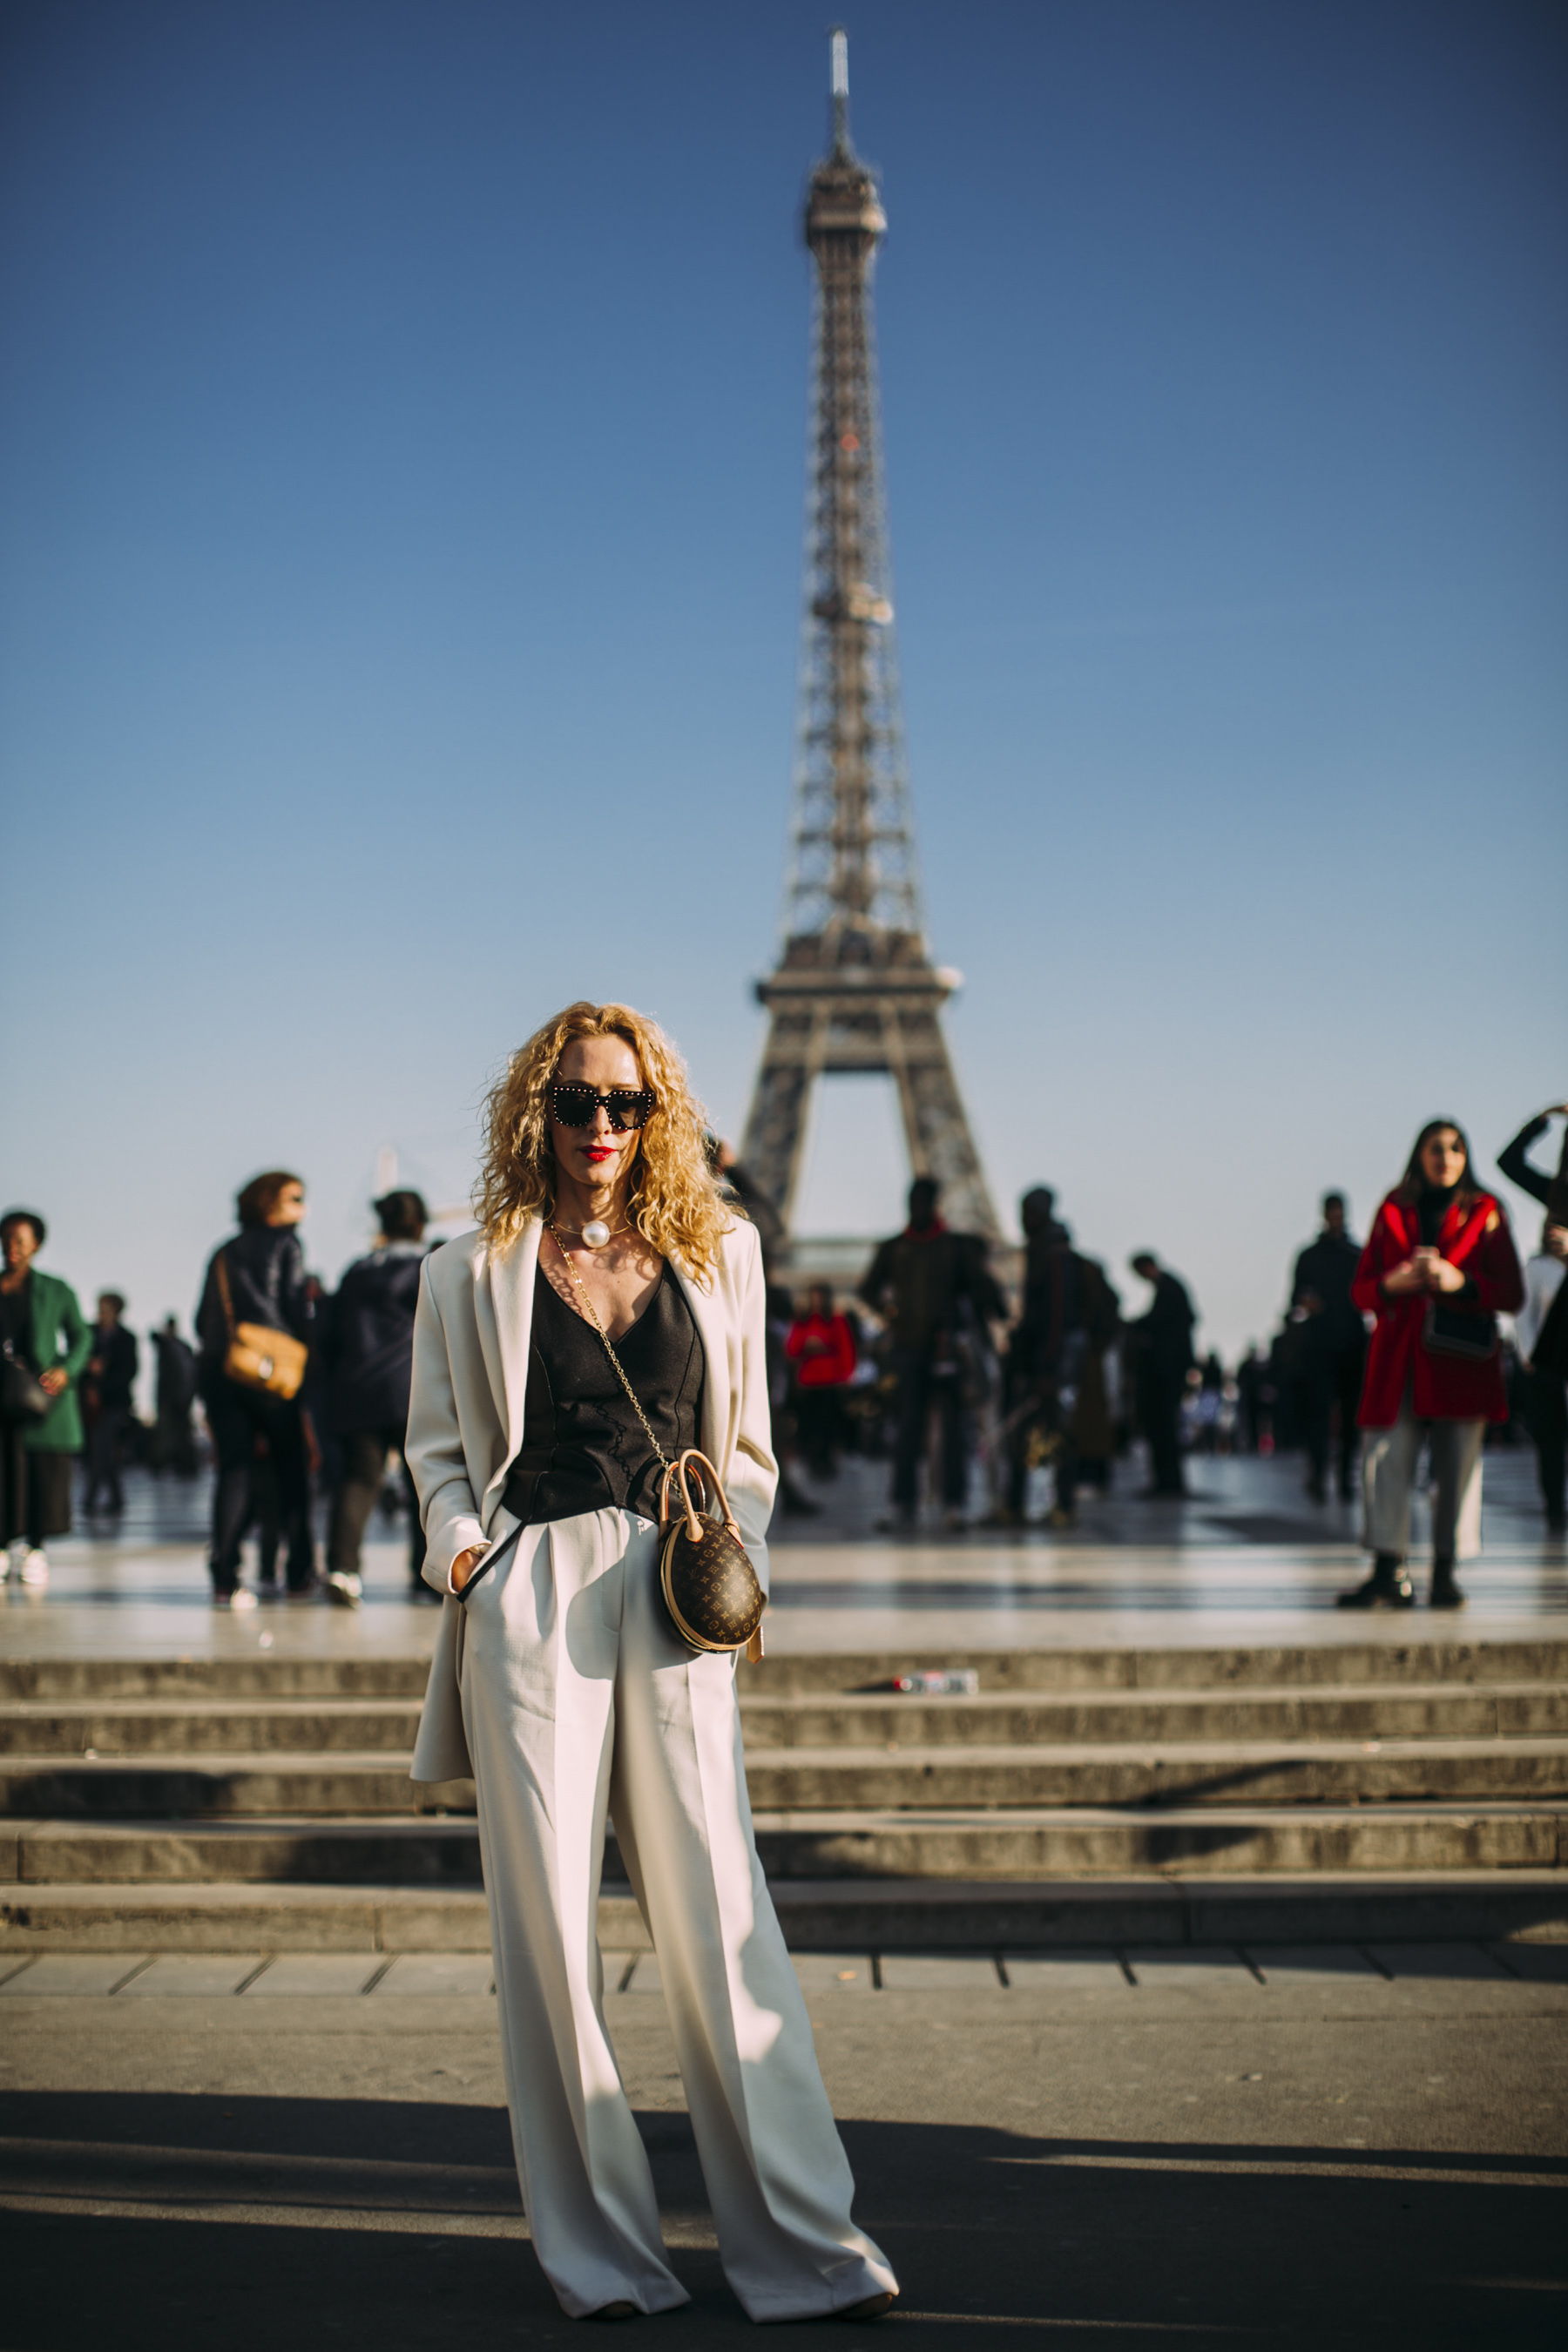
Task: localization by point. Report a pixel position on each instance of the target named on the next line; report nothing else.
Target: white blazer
(471, 1334)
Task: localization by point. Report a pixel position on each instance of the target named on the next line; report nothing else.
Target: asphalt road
(1336, 2148)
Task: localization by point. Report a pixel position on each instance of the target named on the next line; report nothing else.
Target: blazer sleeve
(1301, 1275)
(293, 1298)
(1511, 1160)
(753, 1474)
(77, 1333)
(433, 1447)
(1379, 1256)
(873, 1288)
(1494, 1268)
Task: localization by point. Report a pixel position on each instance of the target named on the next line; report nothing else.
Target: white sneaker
(35, 1568)
(344, 1588)
(240, 1599)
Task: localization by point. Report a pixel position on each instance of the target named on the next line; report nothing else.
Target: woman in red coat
(821, 1346)
(1438, 1269)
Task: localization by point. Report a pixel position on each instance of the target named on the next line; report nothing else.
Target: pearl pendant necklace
(594, 1235)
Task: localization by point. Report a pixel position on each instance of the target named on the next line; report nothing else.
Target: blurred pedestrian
(1163, 1356)
(173, 1394)
(367, 1357)
(1546, 1392)
(1250, 1375)
(1333, 1349)
(253, 1297)
(821, 1346)
(739, 1188)
(938, 1296)
(1541, 1326)
(1437, 1270)
(1055, 1406)
(108, 1384)
(1209, 1433)
(45, 1342)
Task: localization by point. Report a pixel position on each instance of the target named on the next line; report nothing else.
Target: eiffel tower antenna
(855, 988)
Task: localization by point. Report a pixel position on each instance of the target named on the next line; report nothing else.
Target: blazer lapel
(509, 1276)
(1461, 1232)
(713, 1330)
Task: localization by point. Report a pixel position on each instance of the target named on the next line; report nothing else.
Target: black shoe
(1446, 1592)
(1388, 1587)
(872, 2307)
(614, 2311)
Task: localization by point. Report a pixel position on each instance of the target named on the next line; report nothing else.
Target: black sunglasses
(575, 1105)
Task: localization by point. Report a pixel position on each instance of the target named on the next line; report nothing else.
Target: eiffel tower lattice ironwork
(855, 988)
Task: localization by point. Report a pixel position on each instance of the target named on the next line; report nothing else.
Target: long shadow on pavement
(135, 2218)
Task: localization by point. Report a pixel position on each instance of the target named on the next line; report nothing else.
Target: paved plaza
(1356, 2143)
(1326, 2147)
(1246, 1558)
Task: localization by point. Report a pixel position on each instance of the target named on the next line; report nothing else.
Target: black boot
(1387, 1587)
(1446, 1592)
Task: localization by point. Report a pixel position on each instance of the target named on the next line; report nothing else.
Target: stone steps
(1044, 1842)
(1382, 1787)
(1209, 1772)
(77, 1680)
(1394, 1659)
(1193, 1773)
(1024, 1844)
(154, 1786)
(866, 1916)
(999, 1719)
(194, 1726)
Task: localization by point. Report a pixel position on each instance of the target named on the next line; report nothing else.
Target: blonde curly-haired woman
(559, 1683)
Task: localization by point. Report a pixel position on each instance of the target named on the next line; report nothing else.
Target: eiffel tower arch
(855, 988)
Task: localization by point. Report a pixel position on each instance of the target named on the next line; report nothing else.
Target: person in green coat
(44, 1331)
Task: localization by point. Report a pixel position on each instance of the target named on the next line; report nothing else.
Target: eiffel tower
(855, 988)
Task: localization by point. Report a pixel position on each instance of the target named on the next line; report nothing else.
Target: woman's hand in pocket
(465, 1564)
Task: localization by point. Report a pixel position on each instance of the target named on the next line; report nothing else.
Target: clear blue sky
(403, 416)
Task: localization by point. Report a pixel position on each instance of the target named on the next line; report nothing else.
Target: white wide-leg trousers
(1388, 1462)
(578, 1698)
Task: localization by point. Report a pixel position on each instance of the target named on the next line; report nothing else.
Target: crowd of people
(1386, 1355)
(297, 1391)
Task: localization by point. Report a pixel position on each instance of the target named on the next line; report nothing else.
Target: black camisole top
(583, 1448)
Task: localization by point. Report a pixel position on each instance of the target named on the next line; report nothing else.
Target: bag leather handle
(677, 1470)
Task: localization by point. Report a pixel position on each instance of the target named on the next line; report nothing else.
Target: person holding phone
(1439, 1268)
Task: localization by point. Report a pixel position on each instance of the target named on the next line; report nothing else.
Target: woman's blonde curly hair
(674, 1202)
